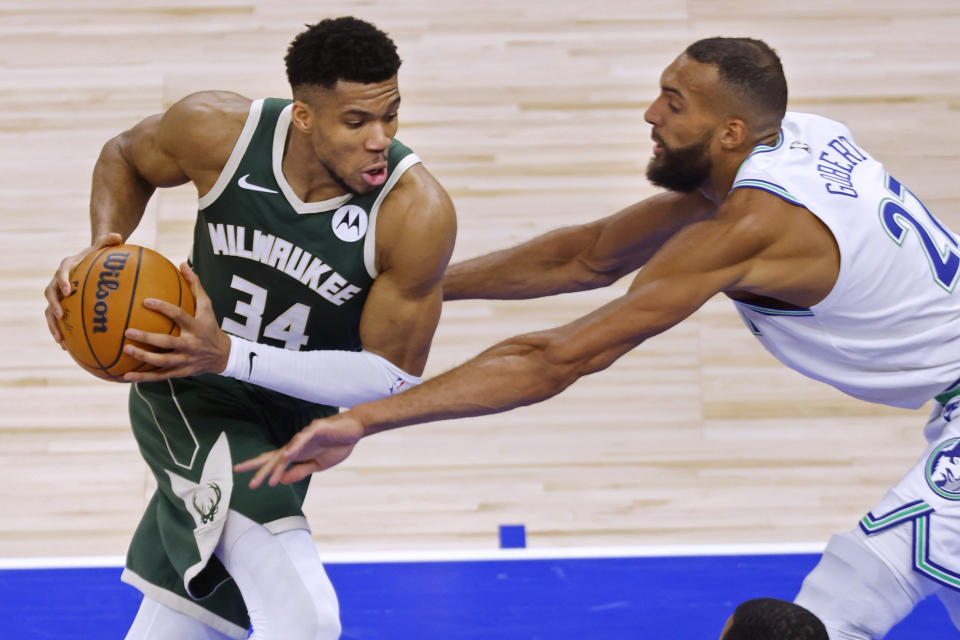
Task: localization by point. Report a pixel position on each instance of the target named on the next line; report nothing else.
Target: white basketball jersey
(889, 331)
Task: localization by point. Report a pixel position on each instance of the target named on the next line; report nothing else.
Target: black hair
(772, 619)
(341, 49)
(749, 67)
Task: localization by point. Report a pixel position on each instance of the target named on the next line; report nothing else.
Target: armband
(336, 378)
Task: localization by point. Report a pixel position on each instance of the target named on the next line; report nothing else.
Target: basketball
(107, 292)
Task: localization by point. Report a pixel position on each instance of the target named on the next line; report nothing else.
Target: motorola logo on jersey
(349, 223)
(943, 469)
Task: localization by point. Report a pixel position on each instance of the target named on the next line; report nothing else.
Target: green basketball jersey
(278, 270)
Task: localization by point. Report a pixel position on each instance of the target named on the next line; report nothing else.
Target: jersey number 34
(288, 327)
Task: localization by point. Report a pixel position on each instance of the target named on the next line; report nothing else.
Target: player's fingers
(279, 469)
(164, 365)
(159, 340)
(165, 368)
(54, 328)
(192, 280)
(171, 311)
(203, 304)
(52, 295)
(253, 463)
(60, 286)
(266, 471)
(189, 275)
(150, 376)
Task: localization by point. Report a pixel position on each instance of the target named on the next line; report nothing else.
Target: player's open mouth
(375, 177)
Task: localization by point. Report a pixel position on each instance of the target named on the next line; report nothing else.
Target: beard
(682, 169)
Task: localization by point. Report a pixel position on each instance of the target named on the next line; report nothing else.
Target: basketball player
(319, 237)
(836, 267)
(772, 619)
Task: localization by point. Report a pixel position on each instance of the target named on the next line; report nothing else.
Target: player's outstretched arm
(700, 261)
(522, 370)
(577, 258)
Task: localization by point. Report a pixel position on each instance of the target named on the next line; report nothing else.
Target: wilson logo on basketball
(107, 282)
(108, 289)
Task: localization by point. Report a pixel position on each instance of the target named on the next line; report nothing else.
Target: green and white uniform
(278, 271)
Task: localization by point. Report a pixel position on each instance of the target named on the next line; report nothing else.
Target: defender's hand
(320, 445)
(59, 286)
(200, 348)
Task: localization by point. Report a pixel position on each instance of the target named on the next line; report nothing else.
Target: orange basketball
(108, 290)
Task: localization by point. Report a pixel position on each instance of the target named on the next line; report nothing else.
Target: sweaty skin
(748, 244)
(337, 143)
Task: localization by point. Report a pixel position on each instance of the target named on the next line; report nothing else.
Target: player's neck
(306, 174)
(726, 165)
(722, 175)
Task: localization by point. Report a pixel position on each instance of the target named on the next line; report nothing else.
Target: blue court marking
(607, 598)
(513, 536)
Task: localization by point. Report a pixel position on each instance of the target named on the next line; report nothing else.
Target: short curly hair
(341, 49)
(773, 619)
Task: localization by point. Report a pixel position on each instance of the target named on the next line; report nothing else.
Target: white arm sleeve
(336, 378)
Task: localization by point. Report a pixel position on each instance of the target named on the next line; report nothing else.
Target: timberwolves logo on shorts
(951, 409)
(943, 469)
(349, 223)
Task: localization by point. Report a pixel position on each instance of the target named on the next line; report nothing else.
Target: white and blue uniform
(888, 332)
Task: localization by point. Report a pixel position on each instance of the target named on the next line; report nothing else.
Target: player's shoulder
(744, 200)
(758, 216)
(419, 198)
(778, 242)
(416, 218)
(204, 125)
(207, 104)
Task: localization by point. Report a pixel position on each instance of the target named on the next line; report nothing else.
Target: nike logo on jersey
(253, 354)
(244, 184)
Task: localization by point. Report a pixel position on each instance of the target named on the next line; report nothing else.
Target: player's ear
(301, 116)
(733, 134)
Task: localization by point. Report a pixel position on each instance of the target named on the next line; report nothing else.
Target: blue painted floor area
(562, 599)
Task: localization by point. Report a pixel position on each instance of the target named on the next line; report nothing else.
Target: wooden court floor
(530, 114)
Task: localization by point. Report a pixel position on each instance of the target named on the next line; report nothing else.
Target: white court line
(466, 555)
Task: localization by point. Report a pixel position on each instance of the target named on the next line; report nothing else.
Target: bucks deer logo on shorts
(206, 500)
(943, 469)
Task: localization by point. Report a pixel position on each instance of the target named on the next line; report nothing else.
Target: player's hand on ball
(318, 446)
(60, 286)
(201, 347)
